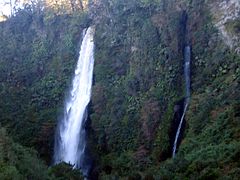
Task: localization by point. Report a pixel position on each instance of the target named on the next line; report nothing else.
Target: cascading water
(70, 140)
(187, 59)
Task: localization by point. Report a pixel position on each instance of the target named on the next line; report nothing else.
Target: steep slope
(37, 58)
(139, 67)
(17, 162)
(138, 89)
(137, 80)
(226, 18)
(38, 53)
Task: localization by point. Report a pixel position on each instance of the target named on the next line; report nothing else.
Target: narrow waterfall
(187, 59)
(70, 140)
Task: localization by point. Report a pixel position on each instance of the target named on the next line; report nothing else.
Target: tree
(76, 5)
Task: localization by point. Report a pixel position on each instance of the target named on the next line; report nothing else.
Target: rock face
(226, 14)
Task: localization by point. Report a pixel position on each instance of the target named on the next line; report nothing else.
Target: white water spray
(187, 59)
(70, 139)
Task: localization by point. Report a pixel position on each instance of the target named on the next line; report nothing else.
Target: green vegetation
(137, 74)
(233, 26)
(137, 82)
(17, 162)
(139, 79)
(38, 53)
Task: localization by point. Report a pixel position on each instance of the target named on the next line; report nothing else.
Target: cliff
(226, 18)
(139, 83)
(138, 89)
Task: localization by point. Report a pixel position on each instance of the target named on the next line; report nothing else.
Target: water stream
(187, 60)
(70, 140)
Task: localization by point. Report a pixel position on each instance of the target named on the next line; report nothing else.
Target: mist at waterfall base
(187, 60)
(70, 137)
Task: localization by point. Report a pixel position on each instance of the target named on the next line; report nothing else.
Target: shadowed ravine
(187, 59)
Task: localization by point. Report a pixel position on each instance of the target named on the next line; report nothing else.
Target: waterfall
(187, 59)
(70, 140)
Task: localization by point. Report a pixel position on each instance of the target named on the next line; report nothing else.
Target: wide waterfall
(70, 140)
(187, 59)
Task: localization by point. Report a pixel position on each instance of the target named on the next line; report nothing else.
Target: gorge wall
(138, 73)
(138, 81)
(226, 19)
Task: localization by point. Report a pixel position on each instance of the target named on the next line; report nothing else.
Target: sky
(4, 7)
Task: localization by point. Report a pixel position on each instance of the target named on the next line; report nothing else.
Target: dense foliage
(38, 53)
(17, 162)
(137, 82)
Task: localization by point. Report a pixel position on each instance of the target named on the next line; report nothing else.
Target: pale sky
(4, 7)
